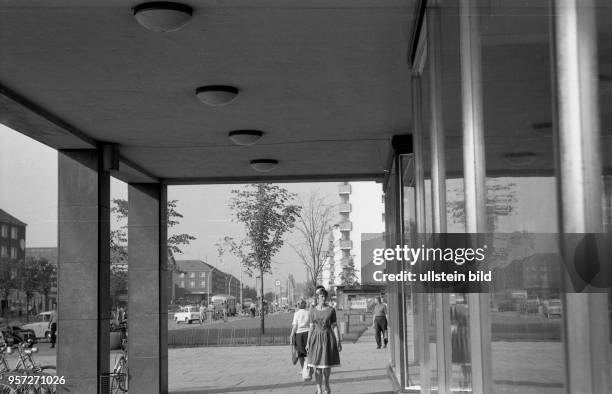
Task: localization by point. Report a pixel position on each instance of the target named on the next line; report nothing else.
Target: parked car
(552, 308)
(13, 334)
(41, 325)
(187, 314)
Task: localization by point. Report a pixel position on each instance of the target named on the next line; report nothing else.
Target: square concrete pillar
(83, 270)
(147, 309)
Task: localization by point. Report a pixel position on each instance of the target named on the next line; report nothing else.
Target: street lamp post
(241, 303)
(228, 285)
(209, 279)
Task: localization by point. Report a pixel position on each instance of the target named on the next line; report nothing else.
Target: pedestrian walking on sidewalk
(379, 322)
(460, 342)
(299, 331)
(53, 327)
(202, 312)
(323, 342)
(312, 304)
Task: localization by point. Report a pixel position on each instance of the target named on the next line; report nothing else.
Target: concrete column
(579, 182)
(83, 270)
(147, 301)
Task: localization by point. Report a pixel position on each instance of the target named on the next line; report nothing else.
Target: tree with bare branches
(314, 223)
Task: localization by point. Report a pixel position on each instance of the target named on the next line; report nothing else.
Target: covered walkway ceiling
(327, 82)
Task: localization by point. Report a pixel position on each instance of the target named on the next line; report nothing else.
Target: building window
(203, 283)
(182, 283)
(182, 275)
(202, 274)
(192, 284)
(13, 252)
(3, 251)
(4, 228)
(14, 232)
(192, 274)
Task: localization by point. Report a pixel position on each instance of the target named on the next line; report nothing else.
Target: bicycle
(4, 349)
(119, 377)
(27, 376)
(6, 389)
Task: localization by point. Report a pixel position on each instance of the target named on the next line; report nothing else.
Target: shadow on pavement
(305, 385)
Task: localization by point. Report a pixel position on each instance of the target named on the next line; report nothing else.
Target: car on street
(40, 326)
(13, 334)
(552, 308)
(187, 314)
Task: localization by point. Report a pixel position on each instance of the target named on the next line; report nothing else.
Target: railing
(229, 336)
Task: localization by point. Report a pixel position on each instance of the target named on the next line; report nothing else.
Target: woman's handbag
(306, 371)
(294, 355)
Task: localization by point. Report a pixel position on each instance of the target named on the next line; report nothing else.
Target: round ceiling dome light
(245, 137)
(162, 16)
(216, 95)
(264, 165)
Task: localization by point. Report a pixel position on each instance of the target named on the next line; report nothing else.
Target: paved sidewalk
(268, 369)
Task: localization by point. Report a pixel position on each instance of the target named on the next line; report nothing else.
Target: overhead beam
(26, 117)
(375, 177)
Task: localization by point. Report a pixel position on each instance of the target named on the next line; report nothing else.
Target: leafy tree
(314, 223)
(267, 213)
(119, 238)
(118, 282)
(30, 278)
(348, 276)
(46, 277)
(8, 279)
(241, 249)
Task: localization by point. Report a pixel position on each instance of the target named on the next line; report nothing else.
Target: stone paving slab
(268, 369)
(518, 368)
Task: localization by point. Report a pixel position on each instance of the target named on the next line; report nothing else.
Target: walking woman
(323, 342)
(299, 331)
(380, 322)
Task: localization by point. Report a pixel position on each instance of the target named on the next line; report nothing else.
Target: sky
(28, 191)
(28, 175)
